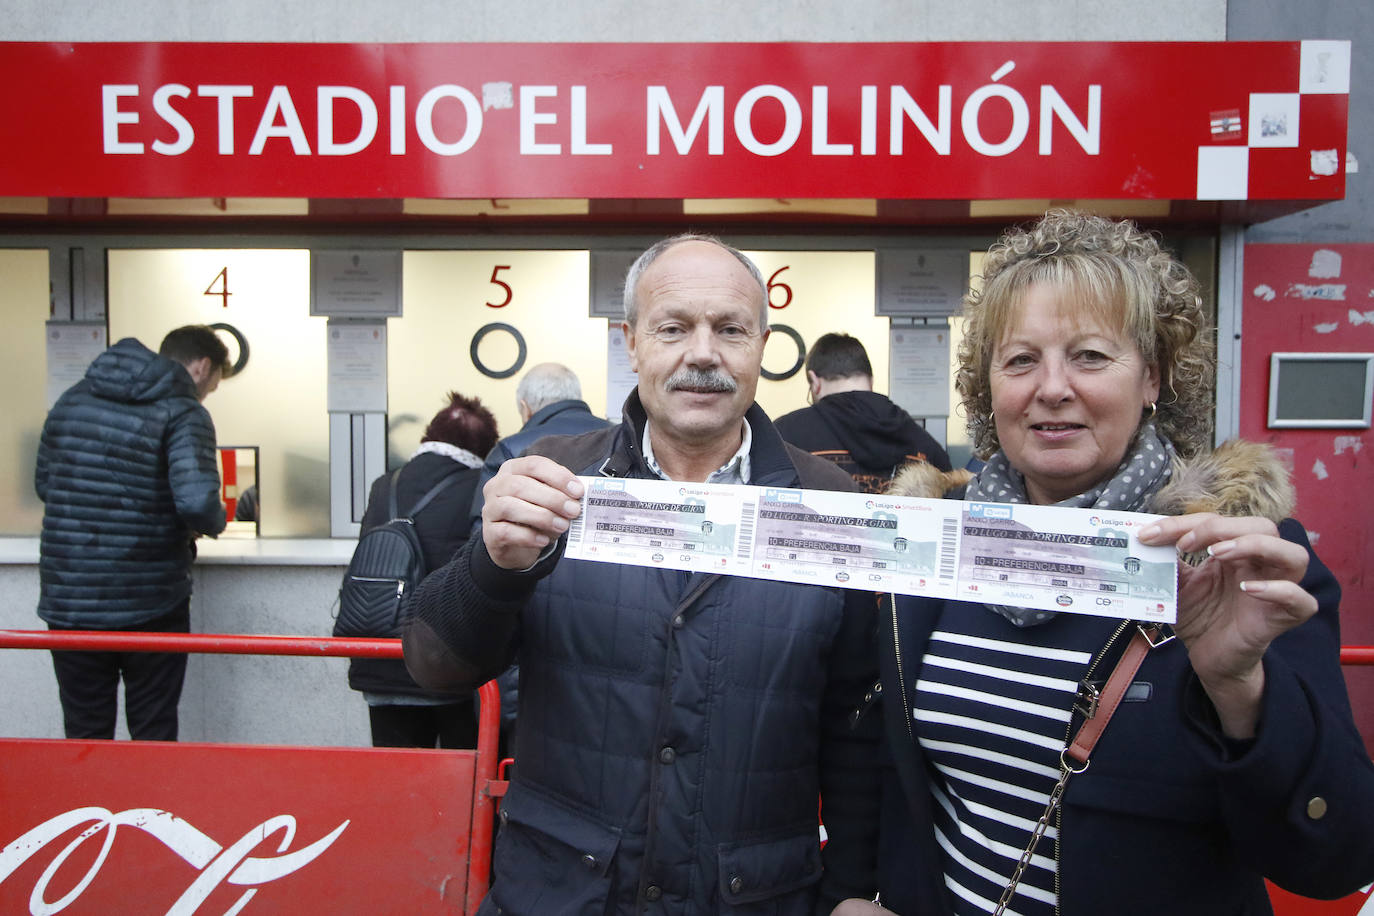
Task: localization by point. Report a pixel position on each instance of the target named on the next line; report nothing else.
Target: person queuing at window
(849, 423)
(401, 712)
(129, 478)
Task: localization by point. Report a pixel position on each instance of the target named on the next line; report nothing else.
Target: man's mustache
(708, 380)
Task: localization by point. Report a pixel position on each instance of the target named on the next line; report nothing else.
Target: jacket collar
(549, 411)
(769, 462)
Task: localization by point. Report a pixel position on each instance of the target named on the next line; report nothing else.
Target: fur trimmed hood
(1238, 478)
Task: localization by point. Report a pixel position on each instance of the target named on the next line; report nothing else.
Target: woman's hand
(1232, 606)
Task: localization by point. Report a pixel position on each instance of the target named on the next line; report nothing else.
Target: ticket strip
(1083, 561)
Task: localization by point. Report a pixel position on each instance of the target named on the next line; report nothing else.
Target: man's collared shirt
(736, 470)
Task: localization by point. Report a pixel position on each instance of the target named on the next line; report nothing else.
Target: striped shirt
(992, 709)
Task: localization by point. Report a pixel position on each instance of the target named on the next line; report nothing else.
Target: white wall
(616, 20)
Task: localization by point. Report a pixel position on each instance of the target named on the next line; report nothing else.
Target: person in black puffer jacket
(128, 474)
(401, 712)
(850, 424)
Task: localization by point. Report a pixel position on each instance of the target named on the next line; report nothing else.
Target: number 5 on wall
(503, 284)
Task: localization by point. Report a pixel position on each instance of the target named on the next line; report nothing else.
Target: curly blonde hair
(1116, 274)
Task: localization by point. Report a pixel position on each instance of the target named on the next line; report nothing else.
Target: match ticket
(1083, 561)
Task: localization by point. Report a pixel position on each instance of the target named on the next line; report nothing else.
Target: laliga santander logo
(217, 864)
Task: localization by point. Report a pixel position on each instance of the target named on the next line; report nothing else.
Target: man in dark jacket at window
(129, 477)
(852, 425)
(676, 729)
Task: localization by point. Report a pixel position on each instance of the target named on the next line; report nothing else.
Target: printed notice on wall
(620, 379)
(608, 269)
(71, 347)
(925, 283)
(355, 284)
(918, 369)
(357, 366)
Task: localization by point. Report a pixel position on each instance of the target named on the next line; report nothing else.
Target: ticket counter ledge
(239, 585)
(19, 551)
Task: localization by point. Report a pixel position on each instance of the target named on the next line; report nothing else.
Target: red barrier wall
(122, 827)
(1317, 298)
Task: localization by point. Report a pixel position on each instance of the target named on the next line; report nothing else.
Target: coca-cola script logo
(217, 864)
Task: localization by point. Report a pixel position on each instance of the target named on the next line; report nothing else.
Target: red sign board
(955, 120)
(98, 827)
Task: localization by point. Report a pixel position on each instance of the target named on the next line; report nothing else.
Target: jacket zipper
(1068, 730)
(901, 675)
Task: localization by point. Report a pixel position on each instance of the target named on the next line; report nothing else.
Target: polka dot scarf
(1145, 469)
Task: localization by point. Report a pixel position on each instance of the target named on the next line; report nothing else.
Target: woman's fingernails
(1149, 533)
(1221, 548)
(1252, 588)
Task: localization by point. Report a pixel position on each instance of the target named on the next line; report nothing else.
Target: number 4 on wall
(222, 278)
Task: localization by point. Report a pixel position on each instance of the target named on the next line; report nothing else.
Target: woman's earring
(1151, 415)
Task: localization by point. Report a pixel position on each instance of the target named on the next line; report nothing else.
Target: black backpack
(387, 565)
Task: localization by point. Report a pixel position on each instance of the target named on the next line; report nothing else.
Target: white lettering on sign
(580, 146)
(176, 122)
(226, 96)
(279, 103)
(424, 120)
(903, 109)
(531, 117)
(112, 117)
(328, 145)
(744, 120)
(162, 104)
(217, 864)
(710, 109)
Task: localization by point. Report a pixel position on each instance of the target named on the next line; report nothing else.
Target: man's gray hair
(642, 263)
(548, 383)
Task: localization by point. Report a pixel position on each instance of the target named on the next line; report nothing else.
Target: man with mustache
(676, 728)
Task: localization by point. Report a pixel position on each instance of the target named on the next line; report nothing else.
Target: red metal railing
(322, 646)
(1357, 655)
(488, 787)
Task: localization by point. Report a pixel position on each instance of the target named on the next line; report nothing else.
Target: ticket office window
(475, 321)
(498, 311)
(275, 407)
(23, 366)
(539, 298)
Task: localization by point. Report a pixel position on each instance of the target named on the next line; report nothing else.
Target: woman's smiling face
(1067, 394)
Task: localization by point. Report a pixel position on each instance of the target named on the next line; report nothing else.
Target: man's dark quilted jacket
(127, 470)
(676, 729)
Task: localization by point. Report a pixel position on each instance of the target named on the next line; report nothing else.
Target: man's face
(697, 345)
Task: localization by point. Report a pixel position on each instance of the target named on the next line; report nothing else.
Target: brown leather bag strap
(1147, 637)
(1074, 758)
